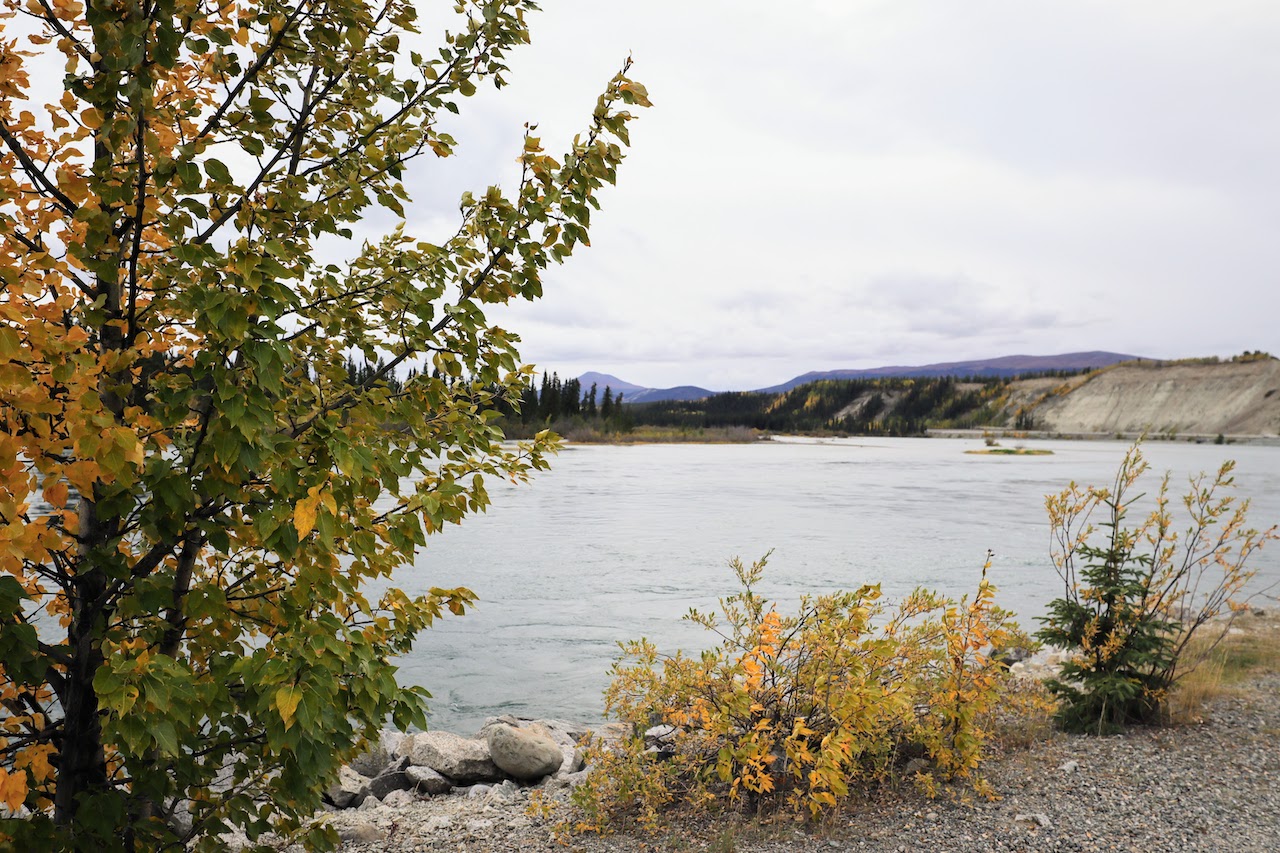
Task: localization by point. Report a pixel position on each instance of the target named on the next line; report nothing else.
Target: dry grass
(1023, 718)
(1250, 648)
(590, 434)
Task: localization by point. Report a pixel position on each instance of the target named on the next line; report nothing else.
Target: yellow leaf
(287, 699)
(13, 789)
(304, 514)
(91, 118)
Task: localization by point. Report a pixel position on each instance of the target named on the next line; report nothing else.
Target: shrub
(793, 712)
(1134, 597)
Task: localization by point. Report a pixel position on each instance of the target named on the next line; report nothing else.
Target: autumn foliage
(798, 713)
(194, 491)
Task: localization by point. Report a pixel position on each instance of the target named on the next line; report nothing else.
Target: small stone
(931, 816)
(659, 733)
(914, 766)
(361, 832)
(1069, 766)
(1038, 818)
(370, 803)
(437, 823)
(398, 799)
(476, 791)
(507, 792)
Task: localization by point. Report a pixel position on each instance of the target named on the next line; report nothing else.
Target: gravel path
(1213, 786)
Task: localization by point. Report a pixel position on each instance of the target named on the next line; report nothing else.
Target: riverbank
(1210, 783)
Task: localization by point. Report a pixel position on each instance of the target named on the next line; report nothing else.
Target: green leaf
(217, 172)
(166, 737)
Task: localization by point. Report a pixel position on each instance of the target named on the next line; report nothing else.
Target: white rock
(507, 792)
(464, 760)
(525, 753)
(349, 790)
(398, 799)
(437, 823)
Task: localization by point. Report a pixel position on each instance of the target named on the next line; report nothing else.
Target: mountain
(605, 380)
(632, 393)
(1004, 367)
(656, 395)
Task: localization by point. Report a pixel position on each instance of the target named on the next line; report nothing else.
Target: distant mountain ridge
(632, 393)
(1003, 367)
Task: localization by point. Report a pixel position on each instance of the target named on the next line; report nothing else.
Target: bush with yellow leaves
(796, 712)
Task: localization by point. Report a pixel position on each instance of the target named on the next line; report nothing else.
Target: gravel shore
(1210, 786)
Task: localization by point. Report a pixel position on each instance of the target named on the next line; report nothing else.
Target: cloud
(826, 184)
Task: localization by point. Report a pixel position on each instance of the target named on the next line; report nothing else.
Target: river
(618, 542)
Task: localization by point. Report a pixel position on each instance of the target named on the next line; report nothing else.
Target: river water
(618, 542)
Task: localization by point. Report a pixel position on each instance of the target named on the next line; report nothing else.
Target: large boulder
(349, 791)
(396, 780)
(526, 753)
(567, 736)
(464, 760)
(371, 762)
(428, 781)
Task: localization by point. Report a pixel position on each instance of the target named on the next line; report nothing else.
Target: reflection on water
(619, 542)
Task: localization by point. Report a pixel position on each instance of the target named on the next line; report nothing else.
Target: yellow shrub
(795, 712)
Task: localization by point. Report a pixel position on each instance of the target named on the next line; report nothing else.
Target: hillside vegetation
(1198, 397)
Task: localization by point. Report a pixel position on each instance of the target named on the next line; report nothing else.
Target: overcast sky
(832, 183)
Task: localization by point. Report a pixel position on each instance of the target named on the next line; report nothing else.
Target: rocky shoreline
(1204, 787)
(1210, 785)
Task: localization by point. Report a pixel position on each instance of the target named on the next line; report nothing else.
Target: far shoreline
(746, 435)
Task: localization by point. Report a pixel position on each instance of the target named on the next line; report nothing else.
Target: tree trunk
(82, 763)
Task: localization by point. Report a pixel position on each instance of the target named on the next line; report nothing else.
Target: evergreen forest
(896, 406)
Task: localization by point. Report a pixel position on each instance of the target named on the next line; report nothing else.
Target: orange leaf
(55, 494)
(13, 789)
